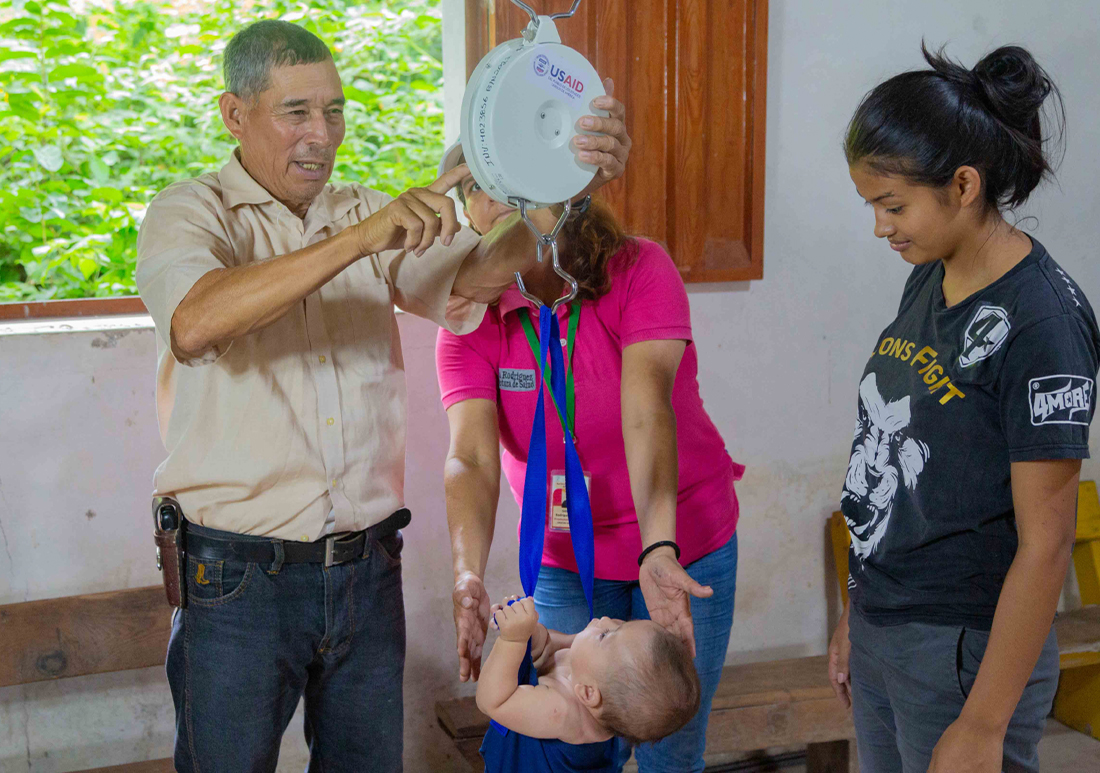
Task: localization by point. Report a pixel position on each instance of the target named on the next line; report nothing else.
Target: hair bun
(1013, 85)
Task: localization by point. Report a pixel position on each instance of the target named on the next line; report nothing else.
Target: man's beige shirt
(272, 433)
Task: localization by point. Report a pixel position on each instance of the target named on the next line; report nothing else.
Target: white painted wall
(780, 362)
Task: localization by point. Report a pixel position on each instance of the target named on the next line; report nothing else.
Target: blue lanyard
(533, 523)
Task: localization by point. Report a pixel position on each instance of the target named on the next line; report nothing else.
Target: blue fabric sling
(506, 751)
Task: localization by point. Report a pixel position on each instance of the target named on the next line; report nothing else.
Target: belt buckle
(330, 548)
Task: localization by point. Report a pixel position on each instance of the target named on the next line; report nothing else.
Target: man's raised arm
(227, 303)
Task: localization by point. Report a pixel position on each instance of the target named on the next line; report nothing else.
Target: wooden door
(692, 75)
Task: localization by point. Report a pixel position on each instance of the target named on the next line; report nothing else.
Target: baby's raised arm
(544, 643)
(538, 712)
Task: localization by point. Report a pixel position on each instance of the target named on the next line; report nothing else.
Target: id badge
(557, 519)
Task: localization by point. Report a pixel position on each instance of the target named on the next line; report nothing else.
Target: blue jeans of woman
(560, 602)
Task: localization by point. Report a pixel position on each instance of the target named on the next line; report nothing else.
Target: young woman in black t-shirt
(972, 421)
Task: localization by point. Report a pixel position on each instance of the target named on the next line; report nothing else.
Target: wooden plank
(647, 59)
(831, 757)
(78, 635)
(725, 134)
(782, 724)
(842, 541)
(715, 75)
(687, 213)
(774, 682)
(470, 751)
(150, 766)
(791, 721)
(1077, 703)
(477, 32)
(744, 686)
(1086, 563)
(79, 307)
(1079, 637)
(1088, 511)
(461, 718)
(757, 78)
(611, 34)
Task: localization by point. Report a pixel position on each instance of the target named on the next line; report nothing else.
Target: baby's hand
(516, 618)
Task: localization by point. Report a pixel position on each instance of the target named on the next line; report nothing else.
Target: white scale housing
(519, 117)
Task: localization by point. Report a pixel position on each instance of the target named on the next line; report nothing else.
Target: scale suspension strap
(533, 522)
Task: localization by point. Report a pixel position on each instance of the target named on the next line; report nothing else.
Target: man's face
(290, 133)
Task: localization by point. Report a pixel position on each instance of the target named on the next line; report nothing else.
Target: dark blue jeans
(255, 638)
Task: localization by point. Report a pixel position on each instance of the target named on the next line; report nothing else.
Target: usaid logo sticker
(516, 380)
(542, 64)
(984, 335)
(1060, 400)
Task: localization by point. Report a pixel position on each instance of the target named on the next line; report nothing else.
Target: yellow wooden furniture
(1077, 703)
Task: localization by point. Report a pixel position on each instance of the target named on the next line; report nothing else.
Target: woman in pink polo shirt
(658, 469)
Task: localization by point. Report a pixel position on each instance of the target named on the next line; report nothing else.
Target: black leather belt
(332, 550)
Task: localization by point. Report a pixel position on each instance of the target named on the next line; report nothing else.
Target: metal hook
(574, 287)
(569, 15)
(548, 240)
(535, 17)
(530, 11)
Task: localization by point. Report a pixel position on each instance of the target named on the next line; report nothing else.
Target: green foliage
(103, 103)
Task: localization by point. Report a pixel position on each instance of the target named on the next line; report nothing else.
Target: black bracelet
(662, 544)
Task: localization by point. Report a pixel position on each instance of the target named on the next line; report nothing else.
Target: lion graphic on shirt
(884, 456)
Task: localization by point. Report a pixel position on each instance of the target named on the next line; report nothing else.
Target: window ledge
(81, 307)
(75, 325)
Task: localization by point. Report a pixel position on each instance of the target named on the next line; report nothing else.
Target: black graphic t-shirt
(950, 398)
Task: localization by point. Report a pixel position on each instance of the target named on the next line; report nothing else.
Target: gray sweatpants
(909, 682)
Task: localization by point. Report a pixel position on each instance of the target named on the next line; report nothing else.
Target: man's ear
(233, 109)
(588, 694)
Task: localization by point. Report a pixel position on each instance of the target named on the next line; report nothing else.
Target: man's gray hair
(261, 47)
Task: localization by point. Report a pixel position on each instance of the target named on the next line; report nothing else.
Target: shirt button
(321, 359)
(304, 538)
(331, 422)
(334, 482)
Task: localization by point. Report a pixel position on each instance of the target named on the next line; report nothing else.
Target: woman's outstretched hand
(667, 590)
(471, 613)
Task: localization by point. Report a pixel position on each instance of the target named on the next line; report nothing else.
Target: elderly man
(281, 401)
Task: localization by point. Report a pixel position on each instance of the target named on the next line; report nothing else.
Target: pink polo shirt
(647, 302)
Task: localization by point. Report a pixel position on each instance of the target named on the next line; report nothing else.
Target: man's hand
(611, 150)
(414, 219)
(471, 613)
(515, 618)
(966, 747)
(667, 590)
(840, 677)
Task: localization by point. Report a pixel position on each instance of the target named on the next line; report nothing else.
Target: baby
(634, 680)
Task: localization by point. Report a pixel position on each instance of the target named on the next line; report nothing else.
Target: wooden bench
(1077, 703)
(757, 706)
(82, 635)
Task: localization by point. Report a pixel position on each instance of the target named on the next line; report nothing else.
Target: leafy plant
(103, 103)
